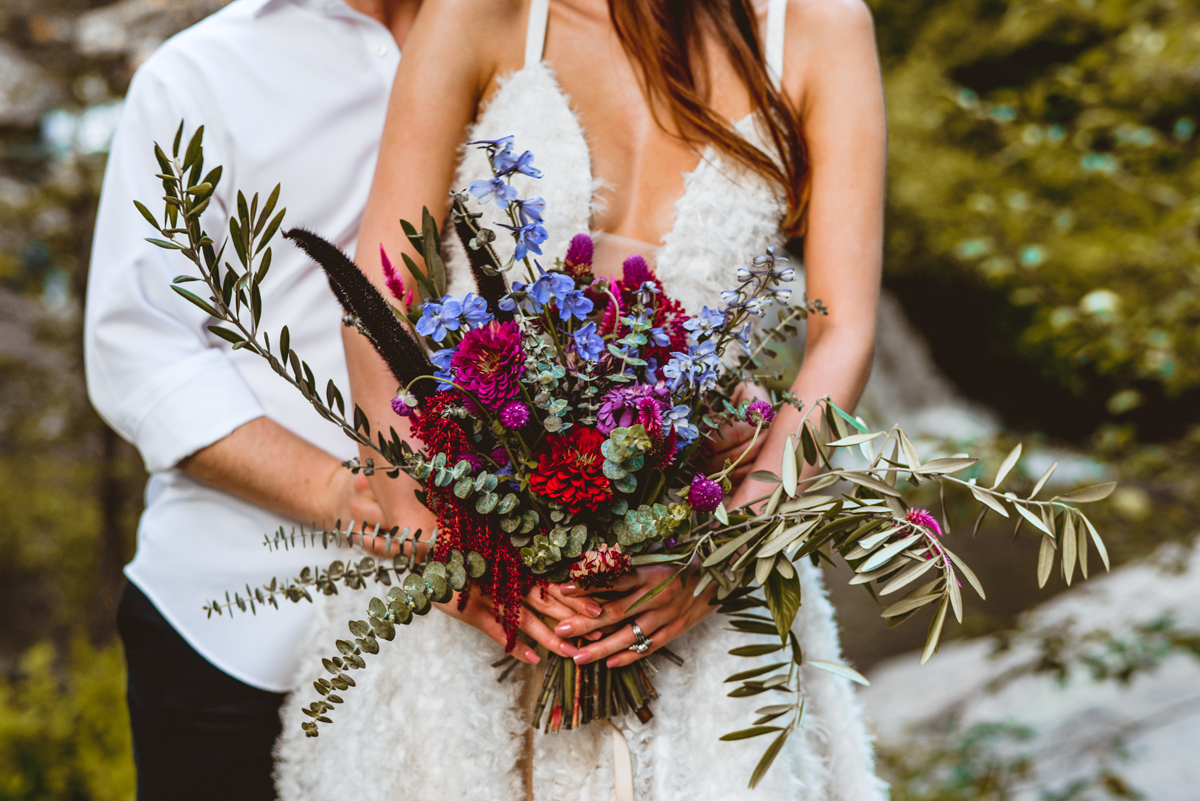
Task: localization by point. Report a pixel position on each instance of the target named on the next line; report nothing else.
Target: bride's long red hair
(665, 39)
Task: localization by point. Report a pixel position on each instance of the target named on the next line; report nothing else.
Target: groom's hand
(480, 612)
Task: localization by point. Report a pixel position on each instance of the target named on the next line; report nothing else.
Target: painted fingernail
(532, 657)
(594, 609)
(564, 629)
(611, 662)
(581, 657)
(569, 589)
(569, 650)
(594, 635)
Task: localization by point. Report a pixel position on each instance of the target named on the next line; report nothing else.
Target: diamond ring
(643, 642)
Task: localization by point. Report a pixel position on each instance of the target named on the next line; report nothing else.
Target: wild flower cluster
(571, 413)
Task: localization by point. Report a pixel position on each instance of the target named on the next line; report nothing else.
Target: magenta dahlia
(488, 362)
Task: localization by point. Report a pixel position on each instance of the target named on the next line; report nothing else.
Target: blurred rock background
(1043, 285)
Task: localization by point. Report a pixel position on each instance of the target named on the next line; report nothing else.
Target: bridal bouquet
(564, 424)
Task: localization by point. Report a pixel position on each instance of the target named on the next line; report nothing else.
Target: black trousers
(198, 733)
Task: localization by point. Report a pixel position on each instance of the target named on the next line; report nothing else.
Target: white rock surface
(1083, 726)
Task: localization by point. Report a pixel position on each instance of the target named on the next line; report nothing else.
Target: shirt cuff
(190, 406)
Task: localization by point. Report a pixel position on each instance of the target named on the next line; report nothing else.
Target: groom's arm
(154, 372)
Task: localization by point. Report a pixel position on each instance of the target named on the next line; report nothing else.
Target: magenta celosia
(395, 283)
(706, 494)
(488, 362)
(471, 459)
(923, 518)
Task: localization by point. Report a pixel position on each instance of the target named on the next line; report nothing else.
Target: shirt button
(381, 51)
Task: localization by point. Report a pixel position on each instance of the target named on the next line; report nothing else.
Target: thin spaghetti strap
(776, 17)
(535, 36)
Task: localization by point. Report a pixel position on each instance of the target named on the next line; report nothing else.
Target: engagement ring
(643, 642)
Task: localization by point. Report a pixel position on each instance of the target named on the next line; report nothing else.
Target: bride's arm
(451, 55)
(832, 75)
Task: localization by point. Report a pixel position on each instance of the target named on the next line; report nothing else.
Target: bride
(696, 133)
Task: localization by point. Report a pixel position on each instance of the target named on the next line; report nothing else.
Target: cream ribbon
(622, 765)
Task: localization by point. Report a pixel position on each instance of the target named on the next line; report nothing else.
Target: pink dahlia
(488, 362)
(706, 494)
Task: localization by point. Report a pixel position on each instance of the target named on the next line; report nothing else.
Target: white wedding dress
(428, 719)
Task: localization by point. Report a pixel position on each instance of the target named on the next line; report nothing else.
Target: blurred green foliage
(66, 738)
(1044, 159)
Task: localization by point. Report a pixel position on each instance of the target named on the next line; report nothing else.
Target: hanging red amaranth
(460, 526)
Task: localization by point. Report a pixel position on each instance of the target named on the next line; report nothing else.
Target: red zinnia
(572, 472)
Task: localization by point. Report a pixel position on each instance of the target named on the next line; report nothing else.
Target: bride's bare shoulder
(826, 39)
(479, 30)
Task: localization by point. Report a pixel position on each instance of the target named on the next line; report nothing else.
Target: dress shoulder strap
(776, 17)
(535, 36)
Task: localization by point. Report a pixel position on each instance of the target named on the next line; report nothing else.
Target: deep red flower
(571, 471)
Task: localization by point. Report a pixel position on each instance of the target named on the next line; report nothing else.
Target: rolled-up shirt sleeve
(154, 371)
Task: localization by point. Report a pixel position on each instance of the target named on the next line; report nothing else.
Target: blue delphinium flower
(704, 323)
(531, 210)
(681, 418)
(696, 368)
(588, 343)
(441, 360)
(550, 286)
(493, 187)
(529, 304)
(494, 144)
(529, 238)
(658, 337)
(575, 304)
(504, 163)
(437, 319)
(474, 310)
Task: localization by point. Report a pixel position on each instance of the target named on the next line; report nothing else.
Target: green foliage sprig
(234, 294)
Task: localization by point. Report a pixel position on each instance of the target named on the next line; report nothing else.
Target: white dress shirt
(288, 91)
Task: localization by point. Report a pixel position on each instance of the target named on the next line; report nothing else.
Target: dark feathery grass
(392, 340)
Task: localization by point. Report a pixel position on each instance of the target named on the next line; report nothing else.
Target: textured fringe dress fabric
(428, 719)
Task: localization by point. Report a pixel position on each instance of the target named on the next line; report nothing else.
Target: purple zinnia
(760, 410)
(514, 414)
(706, 494)
(623, 406)
(488, 362)
(635, 271)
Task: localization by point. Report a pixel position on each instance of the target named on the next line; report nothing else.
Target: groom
(291, 91)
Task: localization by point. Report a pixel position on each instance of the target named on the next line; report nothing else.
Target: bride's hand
(480, 612)
(662, 618)
(732, 439)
